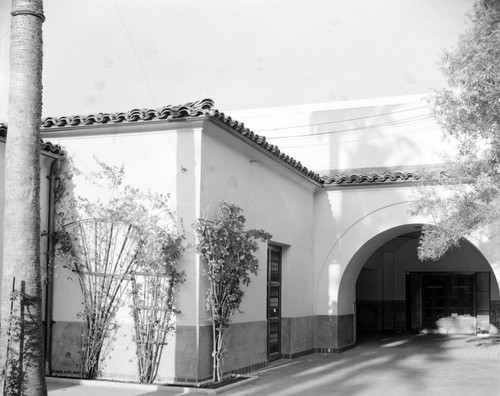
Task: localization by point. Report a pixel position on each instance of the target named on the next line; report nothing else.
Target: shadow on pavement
(399, 365)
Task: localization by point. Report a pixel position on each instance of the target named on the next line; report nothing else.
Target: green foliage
(107, 239)
(469, 112)
(229, 252)
(153, 303)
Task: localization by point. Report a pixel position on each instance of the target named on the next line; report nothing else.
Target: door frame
(270, 318)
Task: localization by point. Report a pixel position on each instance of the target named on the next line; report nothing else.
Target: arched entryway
(397, 293)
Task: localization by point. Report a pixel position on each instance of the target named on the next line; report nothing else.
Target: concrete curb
(151, 387)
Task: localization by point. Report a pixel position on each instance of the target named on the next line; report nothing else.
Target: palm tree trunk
(21, 343)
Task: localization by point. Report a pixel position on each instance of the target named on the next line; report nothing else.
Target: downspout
(49, 289)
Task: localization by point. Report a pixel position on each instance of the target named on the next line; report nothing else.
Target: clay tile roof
(201, 108)
(205, 108)
(191, 109)
(44, 146)
(372, 178)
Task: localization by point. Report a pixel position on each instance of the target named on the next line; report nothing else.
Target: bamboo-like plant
(153, 302)
(229, 252)
(105, 241)
(103, 253)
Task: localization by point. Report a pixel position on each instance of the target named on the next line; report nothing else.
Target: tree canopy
(468, 110)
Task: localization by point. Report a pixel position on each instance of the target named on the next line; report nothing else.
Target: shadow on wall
(370, 137)
(359, 140)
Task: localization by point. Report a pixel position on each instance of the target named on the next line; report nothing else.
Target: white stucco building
(342, 261)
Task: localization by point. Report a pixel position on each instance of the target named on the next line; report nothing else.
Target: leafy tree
(22, 355)
(229, 252)
(105, 241)
(468, 111)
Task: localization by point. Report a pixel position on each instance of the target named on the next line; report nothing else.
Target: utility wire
(341, 121)
(136, 54)
(405, 121)
(364, 138)
(129, 36)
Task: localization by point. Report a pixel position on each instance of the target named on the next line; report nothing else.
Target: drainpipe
(49, 289)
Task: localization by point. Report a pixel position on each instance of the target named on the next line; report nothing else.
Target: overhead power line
(364, 138)
(405, 121)
(144, 73)
(341, 121)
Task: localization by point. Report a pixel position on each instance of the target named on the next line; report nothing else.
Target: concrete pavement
(397, 365)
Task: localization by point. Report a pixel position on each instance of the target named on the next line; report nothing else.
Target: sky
(117, 55)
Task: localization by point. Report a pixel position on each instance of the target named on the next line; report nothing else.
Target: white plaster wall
(199, 169)
(374, 133)
(272, 199)
(344, 221)
(150, 163)
(164, 161)
(352, 223)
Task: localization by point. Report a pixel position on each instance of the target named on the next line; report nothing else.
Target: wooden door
(448, 303)
(273, 302)
(434, 296)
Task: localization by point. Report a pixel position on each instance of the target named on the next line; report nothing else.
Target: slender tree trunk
(21, 343)
(214, 341)
(220, 356)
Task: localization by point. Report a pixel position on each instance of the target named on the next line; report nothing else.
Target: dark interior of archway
(397, 293)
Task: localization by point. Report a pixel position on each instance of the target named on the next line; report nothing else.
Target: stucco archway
(394, 291)
(350, 226)
(359, 235)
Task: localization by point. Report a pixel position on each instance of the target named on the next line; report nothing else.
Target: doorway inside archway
(397, 293)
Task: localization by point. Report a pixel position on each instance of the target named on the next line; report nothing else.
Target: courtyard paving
(399, 365)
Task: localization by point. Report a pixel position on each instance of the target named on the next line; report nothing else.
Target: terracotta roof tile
(201, 108)
(191, 109)
(372, 178)
(204, 108)
(44, 146)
